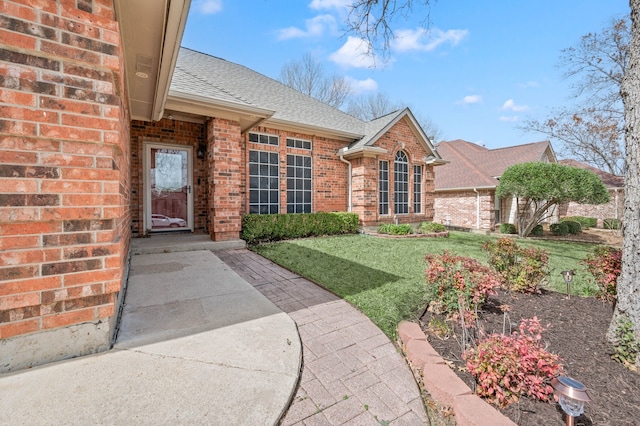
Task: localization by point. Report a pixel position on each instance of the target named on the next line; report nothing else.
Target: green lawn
(385, 277)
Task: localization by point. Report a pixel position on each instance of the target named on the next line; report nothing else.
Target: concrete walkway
(197, 345)
(352, 373)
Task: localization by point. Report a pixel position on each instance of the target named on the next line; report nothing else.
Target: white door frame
(147, 146)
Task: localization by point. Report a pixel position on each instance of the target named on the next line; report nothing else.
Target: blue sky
(477, 70)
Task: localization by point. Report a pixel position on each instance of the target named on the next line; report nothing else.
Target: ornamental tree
(539, 187)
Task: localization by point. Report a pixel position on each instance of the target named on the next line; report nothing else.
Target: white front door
(168, 185)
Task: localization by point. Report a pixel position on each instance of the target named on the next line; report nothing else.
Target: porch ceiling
(151, 32)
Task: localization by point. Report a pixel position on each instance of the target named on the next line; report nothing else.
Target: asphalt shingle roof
(211, 77)
(609, 180)
(474, 166)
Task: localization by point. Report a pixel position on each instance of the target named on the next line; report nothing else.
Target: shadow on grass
(338, 275)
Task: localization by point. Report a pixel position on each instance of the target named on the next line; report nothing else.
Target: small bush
(604, 263)
(509, 367)
(585, 222)
(611, 223)
(559, 229)
(573, 227)
(508, 228)
(626, 345)
(536, 231)
(520, 269)
(390, 228)
(430, 228)
(458, 284)
(273, 227)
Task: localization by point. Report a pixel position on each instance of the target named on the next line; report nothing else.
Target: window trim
(382, 190)
(296, 180)
(417, 188)
(259, 176)
(397, 182)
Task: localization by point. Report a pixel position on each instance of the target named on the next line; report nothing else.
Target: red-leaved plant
(604, 264)
(509, 367)
(458, 285)
(521, 269)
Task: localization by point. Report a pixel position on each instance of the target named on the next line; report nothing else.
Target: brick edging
(443, 384)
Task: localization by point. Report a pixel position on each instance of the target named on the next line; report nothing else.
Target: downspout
(617, 208)
(348, 163)
(477, 208)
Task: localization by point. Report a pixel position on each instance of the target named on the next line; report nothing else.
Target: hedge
(585, 222)
(560, 229)
(573, 227)
(508, 228)
(537, 231)
(273, 227)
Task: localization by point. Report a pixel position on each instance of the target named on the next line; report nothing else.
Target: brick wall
(329, 183)
(226, 156)
(460, 209)
(64, 179)
(613, 209)
(399, 137)
(172, 132)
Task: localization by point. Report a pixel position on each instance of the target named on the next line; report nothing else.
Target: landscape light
(568, 277)
(571, 395)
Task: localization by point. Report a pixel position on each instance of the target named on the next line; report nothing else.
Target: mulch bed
(577, 335)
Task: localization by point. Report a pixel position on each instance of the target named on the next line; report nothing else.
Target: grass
(385, 277)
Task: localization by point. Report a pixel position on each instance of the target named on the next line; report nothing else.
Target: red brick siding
(400, 137)
(173, 132)
(227, 178)
(613, 209)
(64, 165)
(460, 209)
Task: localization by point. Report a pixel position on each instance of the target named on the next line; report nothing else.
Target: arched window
(401, 183)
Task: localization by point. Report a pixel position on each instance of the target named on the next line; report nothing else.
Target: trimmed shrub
(273, 227)
(390, 228)
(457, 285)
(573, 227)
(559, 229)
(536, 231)
(508, 228)
(585, 222)
(431, 227)
(611, 223)
(604, 263)
(509, 367)
(520, 269)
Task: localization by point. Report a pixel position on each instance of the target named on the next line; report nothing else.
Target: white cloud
(355, 53)
(508, 118)
(424, 40)
(510, 105)
(470, 99)
(329, 4)
(361, 86)
(314, 27)
(208, 7)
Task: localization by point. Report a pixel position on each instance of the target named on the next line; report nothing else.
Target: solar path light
(571, 395)
(568, 277)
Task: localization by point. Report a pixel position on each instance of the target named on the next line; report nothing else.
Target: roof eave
(182, 100)
(464, 188)
(311, 129)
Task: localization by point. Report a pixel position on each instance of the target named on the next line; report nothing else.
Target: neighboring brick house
(614, 209)
(466, 187)
(99, 143)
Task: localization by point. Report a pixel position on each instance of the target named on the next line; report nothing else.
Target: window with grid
(298, 143)
(401, 183)
(298, 184)
(264, 139)
(383, 187)
(264, 183)
(417, 189)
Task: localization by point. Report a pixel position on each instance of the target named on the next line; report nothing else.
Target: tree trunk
(628, 286)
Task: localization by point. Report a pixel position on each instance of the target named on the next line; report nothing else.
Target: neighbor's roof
(474, 166)
(610, 180)
(216, 79)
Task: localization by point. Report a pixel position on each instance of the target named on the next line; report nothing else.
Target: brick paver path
(352, 373)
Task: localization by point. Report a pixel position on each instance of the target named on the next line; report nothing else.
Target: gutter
(477, 208)
(349, 177)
